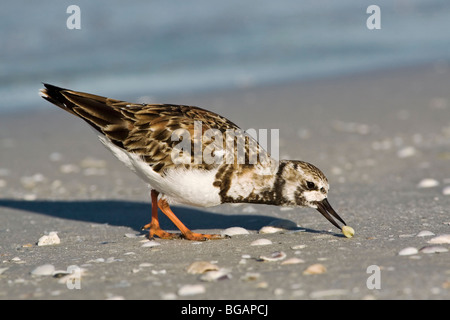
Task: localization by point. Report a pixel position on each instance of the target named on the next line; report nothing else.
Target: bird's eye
(310, 185)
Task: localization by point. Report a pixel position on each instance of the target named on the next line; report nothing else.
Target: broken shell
(293, 261)
(270, 229)
(406, 152)
(425, 233)
(433, 249)
(315, 269)
(191, 289)
(150, 243)
(428, 183)
(261, 242)
(221, 274)
(44, 270)
(348, 231)
(199, 267)
(234, 231)
(408, 251)
(298, 246)
(445, 238)
(49, 240)
(274, 256)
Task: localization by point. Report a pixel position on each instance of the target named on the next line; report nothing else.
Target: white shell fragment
(315, 269)
(131, 235)
(221, 274)
(270, 229)
(298, 246)
(150, 243)
(425, 233)
(293, 261)
(274, 256)
(49, 240)
(261, 242)
(445, 238)
(321, 294)
(408, 251)
(233, 231)
(406, 152)
(191, 289)
(44, 270)
(433, 249)
(428, 183)
(199, 267)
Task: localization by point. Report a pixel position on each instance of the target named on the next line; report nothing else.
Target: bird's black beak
(325, 209)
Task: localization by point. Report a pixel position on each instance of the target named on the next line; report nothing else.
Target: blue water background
(168, 47)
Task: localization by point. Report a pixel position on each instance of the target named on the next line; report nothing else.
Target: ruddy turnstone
(142, 136)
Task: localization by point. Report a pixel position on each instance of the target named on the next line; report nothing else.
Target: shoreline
(288, 83)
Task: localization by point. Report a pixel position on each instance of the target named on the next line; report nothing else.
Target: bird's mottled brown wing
(145, 130)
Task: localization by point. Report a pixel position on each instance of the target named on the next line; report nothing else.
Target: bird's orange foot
(155, 230)
(201, 236)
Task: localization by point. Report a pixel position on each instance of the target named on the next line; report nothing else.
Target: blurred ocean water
(163, 47)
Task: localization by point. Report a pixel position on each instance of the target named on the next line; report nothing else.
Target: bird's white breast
(179, 185)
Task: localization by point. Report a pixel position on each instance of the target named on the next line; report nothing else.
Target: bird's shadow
(136, 214)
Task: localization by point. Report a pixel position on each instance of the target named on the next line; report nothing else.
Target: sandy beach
(382, 138)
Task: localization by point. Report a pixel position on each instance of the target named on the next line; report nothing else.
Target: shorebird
(142, 137)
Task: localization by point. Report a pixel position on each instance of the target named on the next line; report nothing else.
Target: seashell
(145, 265)
(433, 249)
(327, 293)
(191, 289)
(425, 233)
(44, 270)
(445, 238)
(348, 231)
(315, 269)
(261, 242)
(163, 271)
(150, 243)
(406, 152)
(233, 231)
(428, 183)
(199, 267)
(293, 261)
(298, 246)
(408, 251)
(131, 235)
(221, 274)
(270, 229)
(274, 256)
(50, 239)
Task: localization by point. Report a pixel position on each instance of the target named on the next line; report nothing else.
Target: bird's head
(305, 185)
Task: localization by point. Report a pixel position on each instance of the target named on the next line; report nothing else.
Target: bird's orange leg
(186, 233)
(153, 226)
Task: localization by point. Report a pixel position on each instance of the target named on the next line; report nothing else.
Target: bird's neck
(259, 187)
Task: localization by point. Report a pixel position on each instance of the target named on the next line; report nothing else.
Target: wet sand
(375, 135)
